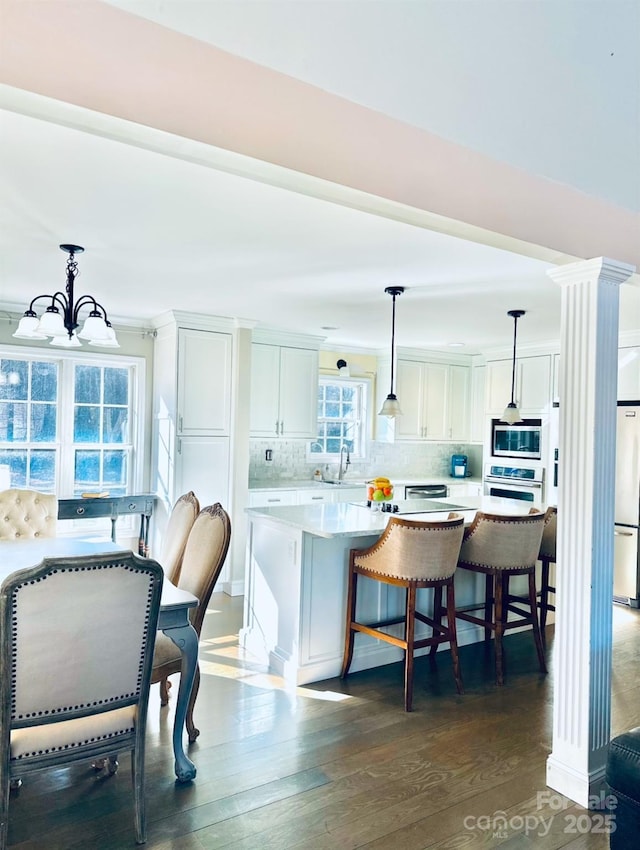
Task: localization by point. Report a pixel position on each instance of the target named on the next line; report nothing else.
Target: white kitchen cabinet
(192, 372)
(458, 403)
(284, 392)
(349, 494)
(555, 381)
(434, 398)
(204, 383)
(315, 497)
(477, 417)
(466, 489)
(532, 384)
(629, 373)
(203, 466)
(272, 498)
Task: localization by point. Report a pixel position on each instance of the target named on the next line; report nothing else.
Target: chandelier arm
(83, 301)
(56, 297)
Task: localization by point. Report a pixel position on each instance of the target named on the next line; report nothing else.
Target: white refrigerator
(627, 506)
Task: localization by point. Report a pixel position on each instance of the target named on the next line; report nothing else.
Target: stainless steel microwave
(521, 440)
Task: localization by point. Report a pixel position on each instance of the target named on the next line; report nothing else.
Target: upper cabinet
(204, 383)
(477, 418)
(434, 398)
(532, 390)
(284, 391)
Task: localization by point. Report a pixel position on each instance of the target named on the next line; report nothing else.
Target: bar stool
(500, 547)
(547, 556)
(412, 555)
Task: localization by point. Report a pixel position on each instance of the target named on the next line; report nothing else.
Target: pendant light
(511, 413)
(391, 407)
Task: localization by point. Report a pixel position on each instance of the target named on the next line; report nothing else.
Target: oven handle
(511, 482)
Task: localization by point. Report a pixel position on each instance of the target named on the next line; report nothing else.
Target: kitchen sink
(349, 482)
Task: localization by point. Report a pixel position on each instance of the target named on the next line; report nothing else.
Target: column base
(585, 789)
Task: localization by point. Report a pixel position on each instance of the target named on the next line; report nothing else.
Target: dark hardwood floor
(339, 765)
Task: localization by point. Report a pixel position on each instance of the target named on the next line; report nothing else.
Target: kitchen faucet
(342, 472)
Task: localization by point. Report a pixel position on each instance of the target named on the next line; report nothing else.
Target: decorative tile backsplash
(397, 460)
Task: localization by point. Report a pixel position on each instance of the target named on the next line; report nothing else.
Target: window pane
(14, 379)
(86, 425)
(333, 446)
(43, 423)
(87, 470)
(115, 471)
(44, 381)
(333, 410)
(13, 422)
(115, 427)
(333, 392)
(87, 389)
(116, 386)
(42, 470)
(16, 460)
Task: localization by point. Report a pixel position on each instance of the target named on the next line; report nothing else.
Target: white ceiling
(163, 233)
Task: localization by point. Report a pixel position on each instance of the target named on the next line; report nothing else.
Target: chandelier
(391, 406)
(60, 319)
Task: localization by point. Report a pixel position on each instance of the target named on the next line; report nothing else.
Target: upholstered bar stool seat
(412, 555)
(502, 547)
(26, 514)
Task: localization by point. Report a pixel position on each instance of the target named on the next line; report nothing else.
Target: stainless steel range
(515, 482)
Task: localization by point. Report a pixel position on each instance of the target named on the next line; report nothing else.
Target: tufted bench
(26, 514)
(623, 779)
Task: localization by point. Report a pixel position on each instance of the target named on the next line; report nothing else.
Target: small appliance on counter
(459, 466)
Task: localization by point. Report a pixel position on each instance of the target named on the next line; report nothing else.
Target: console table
(113, 507)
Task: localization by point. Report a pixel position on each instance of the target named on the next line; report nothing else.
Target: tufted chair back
(413, 550)
(27, 513)
(68, 692)
(548, 544)
(174, 539)
(503, 542)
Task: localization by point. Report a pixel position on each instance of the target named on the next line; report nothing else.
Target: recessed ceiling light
(328, 328)
(457, 344)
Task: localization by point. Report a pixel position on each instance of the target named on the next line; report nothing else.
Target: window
(68, 424)
(342, 418)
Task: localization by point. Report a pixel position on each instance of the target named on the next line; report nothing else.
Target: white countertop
(258, 484)
(343, 519)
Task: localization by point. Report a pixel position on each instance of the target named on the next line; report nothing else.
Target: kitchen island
(296, 585)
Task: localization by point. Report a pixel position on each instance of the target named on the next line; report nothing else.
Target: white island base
(296, 588)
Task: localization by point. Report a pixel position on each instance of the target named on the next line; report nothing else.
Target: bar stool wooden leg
(350, 617)
(534, 622)
(499, 621)
(489, 594)
(437, 619)
(544, 598)
(409, 636)
(453, 638)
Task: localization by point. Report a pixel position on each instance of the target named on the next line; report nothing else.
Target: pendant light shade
(511, 413)
(391, 405)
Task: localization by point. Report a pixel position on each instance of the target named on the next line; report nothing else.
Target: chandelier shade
(511, 413)
(61, 315)
(391, 405)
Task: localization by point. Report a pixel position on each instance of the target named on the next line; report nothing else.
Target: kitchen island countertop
(344, 519)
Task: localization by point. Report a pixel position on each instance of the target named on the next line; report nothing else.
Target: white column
(584, 575)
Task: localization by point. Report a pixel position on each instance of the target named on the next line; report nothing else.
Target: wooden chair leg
(350, 617)
(192, 730)
(409, 636)
(499, 615)
(534, 618)
(453, 638)
(165, 684)
(544, 598)
(489, 593)
(437, 618)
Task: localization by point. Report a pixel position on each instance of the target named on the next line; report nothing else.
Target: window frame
(365, 420)
(64, 445)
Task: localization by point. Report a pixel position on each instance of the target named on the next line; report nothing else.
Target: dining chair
(501, 547)
(411, 555)
(203, 559)
(67, 693)
(175, 535)
(27, 514)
